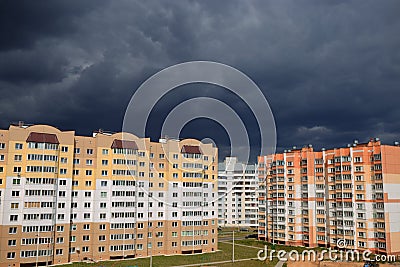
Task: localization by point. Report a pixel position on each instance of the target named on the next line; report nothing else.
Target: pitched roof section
(42, 138)
(191, 149)
(124, 144)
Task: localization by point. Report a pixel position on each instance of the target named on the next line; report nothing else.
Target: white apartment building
(238, 194)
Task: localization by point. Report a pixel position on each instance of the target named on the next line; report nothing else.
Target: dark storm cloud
(330, 69)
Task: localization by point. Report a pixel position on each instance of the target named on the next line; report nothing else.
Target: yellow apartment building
(67, 198)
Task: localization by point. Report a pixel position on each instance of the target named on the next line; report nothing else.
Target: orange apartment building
(67, 198)
(315, 198)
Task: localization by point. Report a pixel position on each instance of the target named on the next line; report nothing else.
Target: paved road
(280, 263)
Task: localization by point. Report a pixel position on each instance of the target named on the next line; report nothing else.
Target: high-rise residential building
(66, 198)
(316, 198)
(237, 194)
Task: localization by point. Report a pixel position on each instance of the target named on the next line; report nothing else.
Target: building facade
(316, 198)
(67, 198)
(237, 194)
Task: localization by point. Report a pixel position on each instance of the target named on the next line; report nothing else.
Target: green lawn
(224, 254)
(261, 244)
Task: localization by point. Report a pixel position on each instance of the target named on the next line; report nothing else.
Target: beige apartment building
(67, 198)
(317, 198)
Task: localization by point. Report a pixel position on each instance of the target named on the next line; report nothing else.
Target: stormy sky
(329, 69)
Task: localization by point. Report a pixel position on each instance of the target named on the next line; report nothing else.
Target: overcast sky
(329, 69)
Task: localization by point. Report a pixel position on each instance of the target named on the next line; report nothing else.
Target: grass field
(261, 244)
(224, 254)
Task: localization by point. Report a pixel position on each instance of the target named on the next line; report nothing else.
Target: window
(89, 162)
(88, 172)
(102, 227)
(63, 182)
(12, 230)
(1, 157)
(59, 251)
(104, 162)
(102, 238)
(60, 228)
(17, 169)
(101, 249)
(89, 151)
(104, 173)
(13, 218)
(14, 205)
(85, 238)
(175, 156)
(63, 171)
(10, 255)
(18, 146)
(12, 242)
(162, 156)
(64, 149)
(16, 181)
(88, 183)
(103, 183)
(2, 145)
(105, 151)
